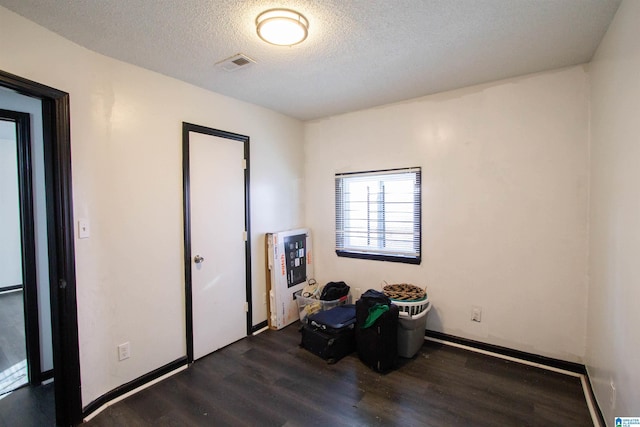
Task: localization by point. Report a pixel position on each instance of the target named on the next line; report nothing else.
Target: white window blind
(378, 215)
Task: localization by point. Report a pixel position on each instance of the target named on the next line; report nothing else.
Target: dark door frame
(22, 123)
(186, 128)
(60, 237)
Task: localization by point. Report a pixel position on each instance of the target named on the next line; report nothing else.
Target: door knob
(198, 259)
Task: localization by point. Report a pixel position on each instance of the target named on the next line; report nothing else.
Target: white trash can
(411, 330)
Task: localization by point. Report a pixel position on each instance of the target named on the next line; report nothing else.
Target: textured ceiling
(359, 53)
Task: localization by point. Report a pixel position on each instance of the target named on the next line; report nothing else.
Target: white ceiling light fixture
(282, 27)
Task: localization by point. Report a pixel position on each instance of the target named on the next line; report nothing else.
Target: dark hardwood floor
(267, 380)
(26, 406)
(12, 338)
(13, 353)
(29, 407)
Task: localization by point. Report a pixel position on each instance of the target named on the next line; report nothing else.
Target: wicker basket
(404, 292)
(410, 299)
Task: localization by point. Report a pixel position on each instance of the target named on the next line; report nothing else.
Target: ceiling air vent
(235, 62)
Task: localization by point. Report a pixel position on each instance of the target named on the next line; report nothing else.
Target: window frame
(353, 252)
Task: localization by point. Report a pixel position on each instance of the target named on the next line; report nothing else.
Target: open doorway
(58, 239)
(19, 361)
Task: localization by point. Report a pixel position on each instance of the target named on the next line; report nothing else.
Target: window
(378, 215)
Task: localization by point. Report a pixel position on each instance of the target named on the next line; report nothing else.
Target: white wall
(10, 245)
(127, 180)
(504, 197)
(613, 340)
(10, 100)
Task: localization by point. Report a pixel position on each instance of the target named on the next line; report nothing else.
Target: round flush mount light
(282, 27)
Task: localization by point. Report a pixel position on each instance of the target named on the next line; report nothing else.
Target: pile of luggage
(369, 327)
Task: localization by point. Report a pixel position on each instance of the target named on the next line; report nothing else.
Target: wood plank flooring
(29, 407)
(268, 380)
(12, 338)
(13, 353)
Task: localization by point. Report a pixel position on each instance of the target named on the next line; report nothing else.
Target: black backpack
(334, 290)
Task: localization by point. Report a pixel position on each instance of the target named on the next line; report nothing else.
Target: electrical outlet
(476, 314)
(124, 351)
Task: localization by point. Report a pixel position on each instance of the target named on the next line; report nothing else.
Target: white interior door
(218, 283)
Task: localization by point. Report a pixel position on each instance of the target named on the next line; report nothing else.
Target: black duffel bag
(334, 290)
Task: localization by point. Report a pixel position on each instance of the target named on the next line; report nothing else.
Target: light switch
(83, 228)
